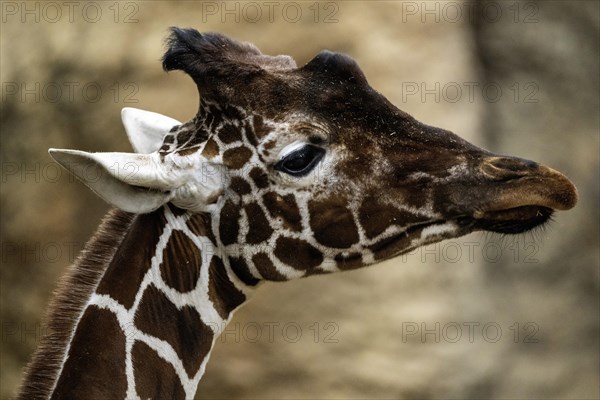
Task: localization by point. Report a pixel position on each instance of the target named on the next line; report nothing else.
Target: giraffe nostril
(507, 167)
(512, 163)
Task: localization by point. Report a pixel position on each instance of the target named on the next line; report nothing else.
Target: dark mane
(73, 291)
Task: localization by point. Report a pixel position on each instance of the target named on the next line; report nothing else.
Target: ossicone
(215, 55)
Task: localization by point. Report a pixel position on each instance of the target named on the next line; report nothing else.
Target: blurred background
(479, 317)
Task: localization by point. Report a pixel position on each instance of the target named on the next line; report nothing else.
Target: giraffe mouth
(507, 221)
(519, 196)
(514, 220)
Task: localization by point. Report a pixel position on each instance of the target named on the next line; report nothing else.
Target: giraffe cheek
(375, 217)
(267, 269)
(285, 208)
(259, 229)
(333, 223)
(229, 223)
(237, 157)
(297, 253)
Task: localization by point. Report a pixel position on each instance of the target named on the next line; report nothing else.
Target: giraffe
(284, 172)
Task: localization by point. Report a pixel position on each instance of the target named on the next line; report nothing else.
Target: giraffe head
(309, 169)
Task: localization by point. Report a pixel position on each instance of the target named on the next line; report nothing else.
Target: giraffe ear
(130, 182)
(145, 129)
(141, 183)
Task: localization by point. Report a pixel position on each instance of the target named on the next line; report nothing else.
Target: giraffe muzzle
(526, 183)
(518, 195)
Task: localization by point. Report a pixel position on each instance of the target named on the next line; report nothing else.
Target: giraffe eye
(300, 162)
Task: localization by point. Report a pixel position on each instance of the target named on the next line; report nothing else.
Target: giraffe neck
(152, 311)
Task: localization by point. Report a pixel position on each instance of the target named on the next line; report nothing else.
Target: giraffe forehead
(223, 125)
(262, 135)
(296, 126)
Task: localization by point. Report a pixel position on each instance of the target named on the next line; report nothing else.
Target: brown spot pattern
(284, 207)
(229, 225)
(332, 223)
(155, 378)
(240, 186)
(182, 259)
(200, 225)
(260, 128)
(297, 253)
(211, 149)
(260, 178)
(221, 291)
(98, 342)
(266, 268)
(375, 217)
(229, 134)
(170, 138)
(231, 113)
(184, 136)
(133, 259)
(250, 134)
(181, 328)
(237, 157)
(351, 261)
(270, 144)
(240, 268)
(259, 228)
(412, 196)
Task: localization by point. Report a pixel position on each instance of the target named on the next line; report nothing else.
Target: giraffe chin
(418, 235)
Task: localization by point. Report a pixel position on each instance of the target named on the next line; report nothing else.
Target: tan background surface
(543, 286)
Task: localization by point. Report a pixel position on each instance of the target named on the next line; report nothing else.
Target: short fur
(390, 184)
